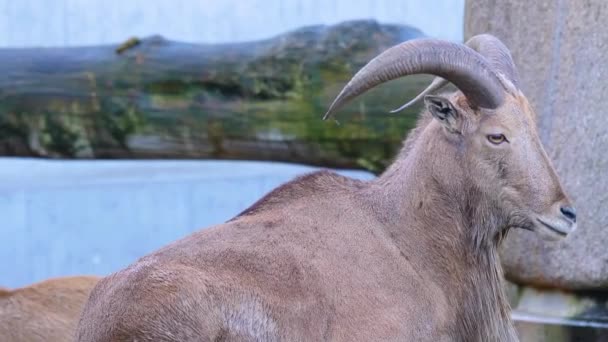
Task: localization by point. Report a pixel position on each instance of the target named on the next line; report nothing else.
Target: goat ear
(444, 111)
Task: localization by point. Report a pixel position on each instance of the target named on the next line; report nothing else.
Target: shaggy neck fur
(457, 231)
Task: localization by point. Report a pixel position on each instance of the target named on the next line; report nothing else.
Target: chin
(553, 231)
(549, 235)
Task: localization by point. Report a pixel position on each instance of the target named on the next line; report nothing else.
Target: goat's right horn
(437, 84)
(456, 63)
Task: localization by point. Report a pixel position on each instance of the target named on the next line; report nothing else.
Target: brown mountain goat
(411, 255)
(47, 311)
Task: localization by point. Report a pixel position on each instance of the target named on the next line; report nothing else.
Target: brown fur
(411, 255)
(47, 311)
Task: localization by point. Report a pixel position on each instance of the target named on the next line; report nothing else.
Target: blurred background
(125, 125)
(91, 22)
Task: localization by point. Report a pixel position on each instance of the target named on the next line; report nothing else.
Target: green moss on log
(259, 100)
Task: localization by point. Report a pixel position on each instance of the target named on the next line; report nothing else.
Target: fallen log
(156, 98)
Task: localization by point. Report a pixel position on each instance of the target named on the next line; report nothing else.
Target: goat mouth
(560, 231)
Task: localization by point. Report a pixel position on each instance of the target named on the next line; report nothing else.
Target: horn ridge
(456, 63)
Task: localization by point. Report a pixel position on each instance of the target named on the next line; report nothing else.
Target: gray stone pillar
(561, 50)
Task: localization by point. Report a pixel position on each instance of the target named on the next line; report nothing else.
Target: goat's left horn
(492, 49)
(456, 63)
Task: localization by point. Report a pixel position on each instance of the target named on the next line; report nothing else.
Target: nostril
(569, 212)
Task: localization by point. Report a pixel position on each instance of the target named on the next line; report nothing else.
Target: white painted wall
(96, 217)
(87, 22)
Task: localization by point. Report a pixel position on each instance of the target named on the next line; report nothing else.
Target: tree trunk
(154, 98)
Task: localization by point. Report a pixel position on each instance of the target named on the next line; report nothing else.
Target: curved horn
(496, 53)
(437, 84)
(457, 63)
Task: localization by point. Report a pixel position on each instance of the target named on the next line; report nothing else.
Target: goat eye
(496, 139)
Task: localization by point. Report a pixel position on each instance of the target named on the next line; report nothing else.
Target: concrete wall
(561, 49)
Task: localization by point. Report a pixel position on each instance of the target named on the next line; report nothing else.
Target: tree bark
(155, 98)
